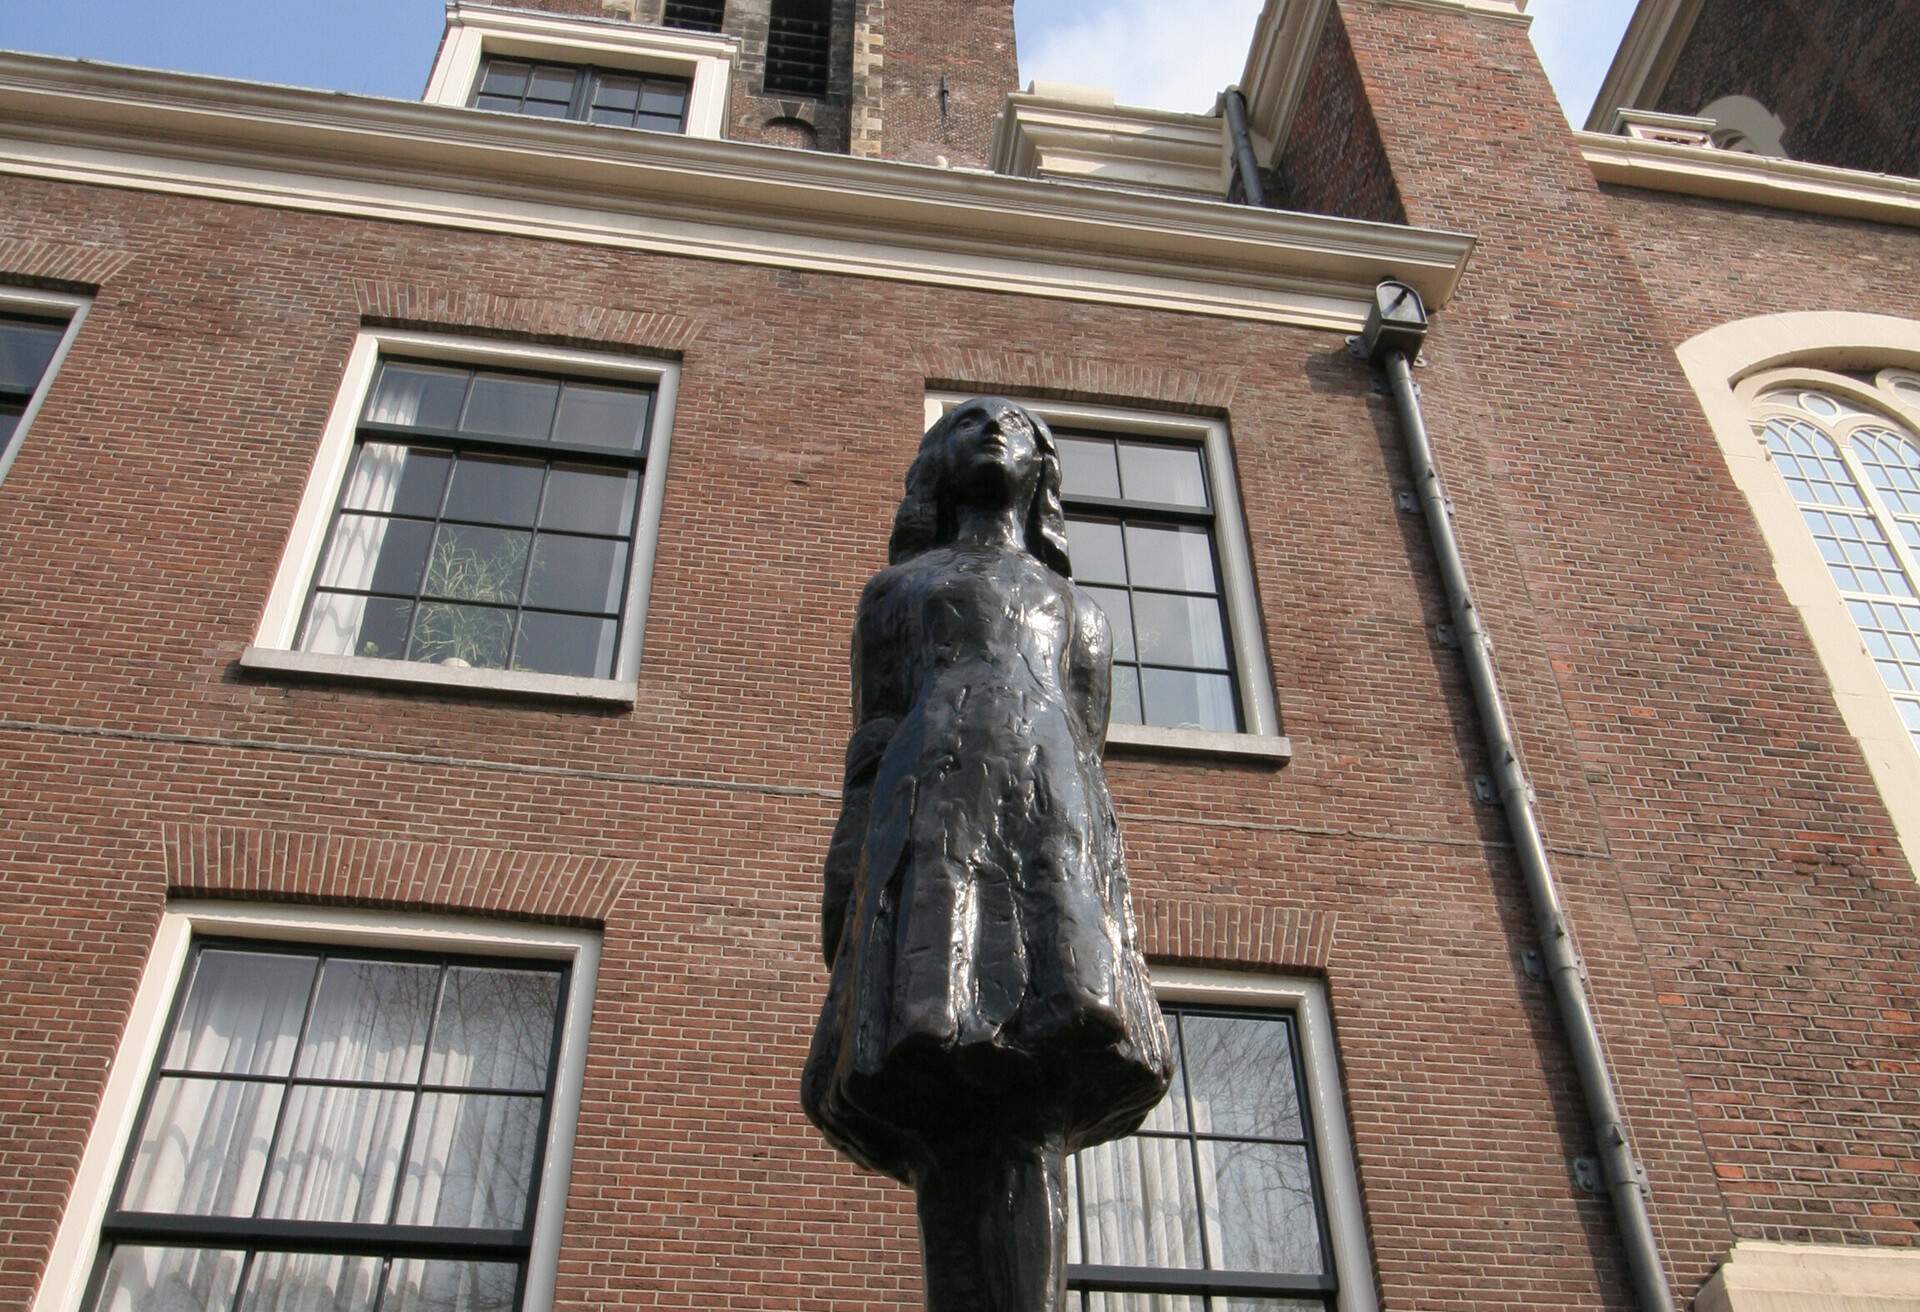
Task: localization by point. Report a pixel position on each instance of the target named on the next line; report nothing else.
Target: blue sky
(1150, 52)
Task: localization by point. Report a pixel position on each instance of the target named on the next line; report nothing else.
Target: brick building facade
(380, 930)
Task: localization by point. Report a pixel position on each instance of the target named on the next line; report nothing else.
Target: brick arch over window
(1728, 366)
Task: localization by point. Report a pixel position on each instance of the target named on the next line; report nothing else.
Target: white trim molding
(1285, 39)
(737, 201)
(1756, 179)
(273, 650)
(76, 1243)
(1506, 11)
(1307, 1000)
(1654, 38)
(1717, 362)
(1760, 1276)
(1260, 741)
(39, 304)
(1043, 135)
(475, 31)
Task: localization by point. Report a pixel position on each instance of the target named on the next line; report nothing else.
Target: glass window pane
(242, 1014)
(25, 349)
(552, 83)
(338, 1155)
(1137, 1202)
(658, 122)
(566, 644)
(668, 99)
(511, 407)
(1170, 474)
(397, 480)
(418, 396)
(1182, 700)
(1087, 468)
(1119, 616)
(611, 92)
(345, 624)
(495, 490)
(505, 79)
(1260, 1208)
(477, 564)
(504, 104)
(369, 1021)
(472, 636)
(544, 109)
(471, 1161)
(1094, 547)
(311, 1282)
(588, 500)
(495, 1028)
(1242, 1073)
(1169, 556)
(1108, 1302)
(612, 417)
(168, 1280)
(1126, 695)
(614, 118)
(203, 1149)
(1268, 1305)
(1177, 630)
(427, 1285)
(9, 424)
(577, 573)
(371, 553)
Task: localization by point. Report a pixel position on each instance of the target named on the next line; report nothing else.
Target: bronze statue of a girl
(989, 1011)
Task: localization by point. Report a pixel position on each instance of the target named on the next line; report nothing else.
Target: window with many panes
(1140, 526)
(619, 98)
(1853, 470)
(799, 47)
(337, 1128)
(486, 521)
(1217, 1203)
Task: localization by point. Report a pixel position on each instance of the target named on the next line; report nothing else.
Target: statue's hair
(925, 518)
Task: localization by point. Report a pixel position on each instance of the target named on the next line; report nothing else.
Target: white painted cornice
(737, 201)
(1773, 1277)
(1040, 136)
(1641, 66)
(1284, 41)
(1756, 179)
(1506, 11)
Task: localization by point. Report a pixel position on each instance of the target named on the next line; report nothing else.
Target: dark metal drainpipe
(1394, 333)
(1245, 165)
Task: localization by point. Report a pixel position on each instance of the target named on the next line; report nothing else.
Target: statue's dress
(985, 970)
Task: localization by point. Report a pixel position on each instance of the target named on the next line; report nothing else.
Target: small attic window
(799, 46)
(695, 15)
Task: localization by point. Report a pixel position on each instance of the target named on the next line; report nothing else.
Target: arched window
(1852, 467)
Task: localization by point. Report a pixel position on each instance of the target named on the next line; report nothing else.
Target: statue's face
(992, 453)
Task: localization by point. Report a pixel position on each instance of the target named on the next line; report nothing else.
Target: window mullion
(1877, 507)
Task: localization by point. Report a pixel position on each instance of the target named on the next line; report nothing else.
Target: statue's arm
(1090, 669)
(873, 725)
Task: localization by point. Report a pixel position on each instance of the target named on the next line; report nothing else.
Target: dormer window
(595, 95)
(590, 70)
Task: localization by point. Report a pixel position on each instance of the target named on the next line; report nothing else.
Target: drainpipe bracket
(1446, 635)
(1407, 502)
(1484, 790)
(1586, 1174)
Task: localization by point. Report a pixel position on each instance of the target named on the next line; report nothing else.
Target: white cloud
(1163, 54)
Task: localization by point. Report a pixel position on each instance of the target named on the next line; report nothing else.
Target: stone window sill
(1152, 740)
(514, 684)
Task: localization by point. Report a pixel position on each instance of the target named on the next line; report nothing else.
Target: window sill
(517, 684)
(1152, 740)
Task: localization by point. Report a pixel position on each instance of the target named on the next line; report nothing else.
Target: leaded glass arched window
(1852, 466)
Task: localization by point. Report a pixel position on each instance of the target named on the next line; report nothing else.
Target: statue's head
(984, 449)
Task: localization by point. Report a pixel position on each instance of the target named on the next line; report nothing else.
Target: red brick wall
(1746, 914)
(141, 527)
(1844, 75)
(969, 43)
(1333, 161)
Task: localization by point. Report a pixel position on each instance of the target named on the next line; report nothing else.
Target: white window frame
(1306, 999)
(478, 31)
(1260, 739)
(76, 1244)
(273, 644)
(50, 305)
